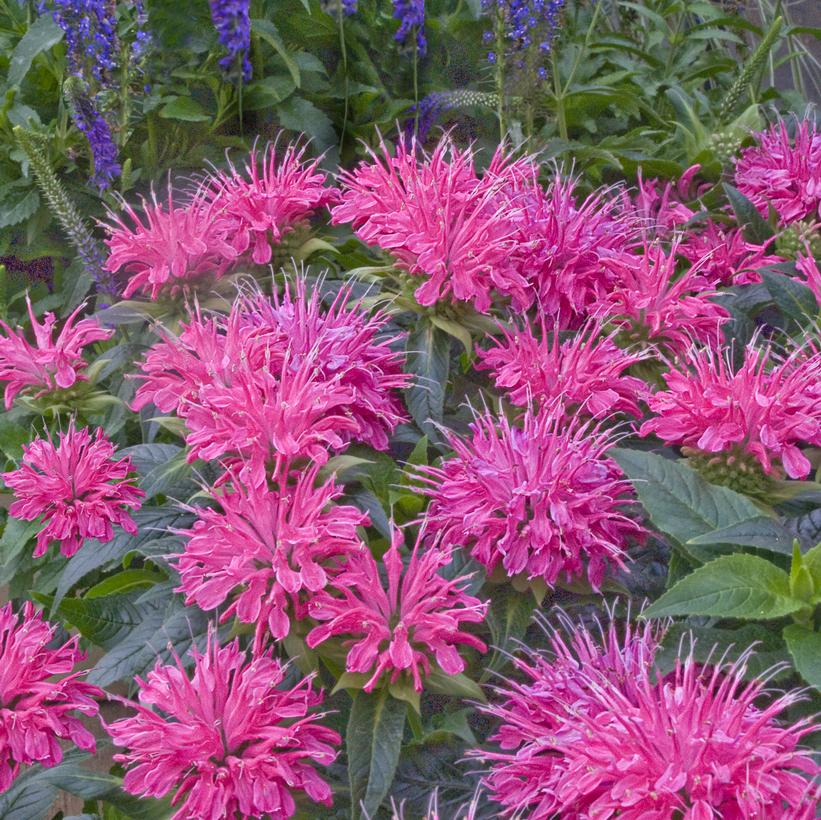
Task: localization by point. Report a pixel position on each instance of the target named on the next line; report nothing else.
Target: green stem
(340, 16)
(558, 92)
(499, 75)
(415, 722)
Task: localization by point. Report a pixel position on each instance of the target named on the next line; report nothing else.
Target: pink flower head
(40, 694)
(722, 256)
(226, 740)
(78, 488)
(662, 211)
(808, 268)
(49, 363)
(587, 372)
(264, 548)
(176, 245)
(264, 204)
(653, 305)
(593, 731)
(402, 629)
(783, 171)
(440, 220)
(573, 252)
(541, 499)
(764, 409)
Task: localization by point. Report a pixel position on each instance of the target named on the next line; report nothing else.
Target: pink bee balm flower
(264, 548)
(176, 245)
(783, 171)
(541, 499)
(440, 220)
(226, 740)
(40, 695)
(49, 363)
(402, 629)
(808, 268)
(660, 212)
(593, 731)
(264, 204)
(78, 487)
(656, 306)
(762, 410)
(587, 372)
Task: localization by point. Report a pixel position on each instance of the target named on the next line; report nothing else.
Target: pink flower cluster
(41, 696)
(228, 741)
(591, 730)
(78, 487)
(50, 363)
(228, 218)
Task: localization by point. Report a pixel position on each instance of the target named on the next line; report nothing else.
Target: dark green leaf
(185, 109)
(756, 230)
(303, 116)
(794, 300)
(18, 207)
(41, 36)
(508, 618)
(762, 532)
(428, 360)
(805, 647)
(16, 535)
(807, 528)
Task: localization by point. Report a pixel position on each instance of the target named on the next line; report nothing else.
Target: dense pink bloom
(40, 694)
(264, 204)
(654, 305)
(263, 548)
(226, 740)
(660, 212)
(49, 363)
(587, 372)
(593, 731)
(440, 220)
(541, 499)
(783, 171)
(78, 487)
(175, 245)
(402, 629)
(572, 252)
(764, 409)
(723, 256)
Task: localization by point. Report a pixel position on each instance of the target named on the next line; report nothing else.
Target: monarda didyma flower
(541, 499)
(227, 741)
(400, 630)
(78, 487)
(263, 549)
(593, 730)
(758, 413)
(50, 363)
(41, 698)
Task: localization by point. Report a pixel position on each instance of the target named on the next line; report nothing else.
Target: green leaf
(12, 437)
(807, 528)
(756, 230)
(303, 116)
(805, 647)
(125, 581)
(812, 561)
(268, 92)
(17, 209)
(185, 109)
(733, 586)
(508, 618)
(794, 300)
(376, 727)
(762, 532)
(16, 535)
(460, 685)
(267, 31)
(41, 36)
(679, 501)
(456, 330)
(428, 360)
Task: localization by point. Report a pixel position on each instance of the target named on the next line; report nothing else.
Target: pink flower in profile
(763, 410)
(175, 246)
(592, 730)
(572, 252)
(78, 487)
(656, 306)
(265, 550)
(402, 629)
(40, 694)
(723, 256)
(440, 220)
(587, 372)
(783, 171)
(265, 203)
(661, 209)
(542, 499)
(227, 741)
(50, 363)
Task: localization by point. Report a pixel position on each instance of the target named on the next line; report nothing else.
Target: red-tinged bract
(763, 410)
(265, 550)
(592, 730)
(78, 486)
(227, 741)
(586, 373)
(41, 696)
(541, 499)
(783, 170)
(400, 630)
(50, 363)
